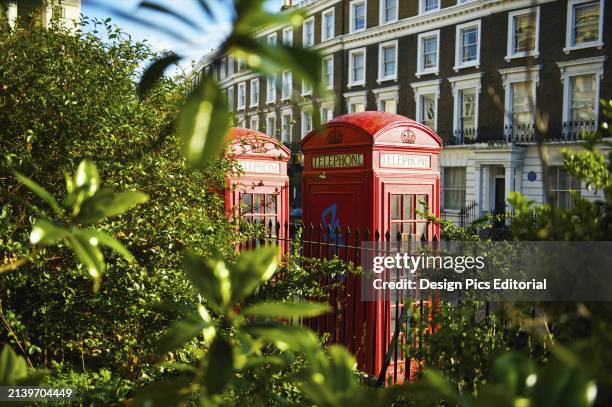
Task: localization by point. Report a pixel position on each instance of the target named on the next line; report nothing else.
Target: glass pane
(522, 97)
(408, 202)
(421, 204)
(408, 230)
(395, 227)
(421, 229)
(247, 203)
(469, 37)
(258, 203)
(396, 207)
(271, 220)
(524, 32)
(429, 110)
(586, 23)
(583, 97)
(468, 109)
(270, 203)
(430, 52)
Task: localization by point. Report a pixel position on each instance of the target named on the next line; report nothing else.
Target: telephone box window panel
(374, 171)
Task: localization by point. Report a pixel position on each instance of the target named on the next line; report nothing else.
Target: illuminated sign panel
(259, 167)
(337, 161)
(397, 160)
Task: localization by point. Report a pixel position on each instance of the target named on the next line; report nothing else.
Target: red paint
(265, 178)
(363, 196)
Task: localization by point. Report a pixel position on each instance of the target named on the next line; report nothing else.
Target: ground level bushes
(65, 96)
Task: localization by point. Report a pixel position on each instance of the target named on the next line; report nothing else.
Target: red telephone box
(371, 170)
(260, 193)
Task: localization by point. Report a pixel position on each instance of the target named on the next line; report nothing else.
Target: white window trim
(305, 111)
(351, 15)
(252, 102)
(268, 116)
(459, 83)
(381, 70)
(283, 96)
(426, 88)
(304, 36)
(584, 66)
(435, 70)
(422, 7)
(326, 58)
(381, 10)
(230, 101)
(517, 75)
(510, 47)
(241, 120)
(256, 118)
(352, 82)
(241, 104)
(230, 65)
(390, 92)
(356, 97)
(272, 39)
(458, 28)
(326, 105)
(271, 96)
(305, 90)
(331, 11)
(569, 32)
(286, 112)
(285, 36)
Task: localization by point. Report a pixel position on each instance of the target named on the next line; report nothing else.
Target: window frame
(286, 136)
(324, 33)
(230, 65)
(422, 7)
(230, 97)
(352, 5)
(308, 21)
(461, 83)
(569, 27)
(511, 76)
(579, 67)
(288, 39)
(382, 14)
(510, 54)
(555, 172)
(306, 88)
(254, 101)
(271, 96)
(421, 89)
(271, 131)
(272, 39)
(446, 188)
(459, 45)
(351, 80)
(241, 102)
(325, 59)
(304, 114)
(420, 59)
(381, 65)
(254, 117)
(288, 87)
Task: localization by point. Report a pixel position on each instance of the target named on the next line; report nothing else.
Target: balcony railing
(521, 134)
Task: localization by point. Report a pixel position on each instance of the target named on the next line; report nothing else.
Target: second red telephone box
(374, 171)
(260, 192)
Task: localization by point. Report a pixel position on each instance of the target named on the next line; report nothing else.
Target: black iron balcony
(521, 133)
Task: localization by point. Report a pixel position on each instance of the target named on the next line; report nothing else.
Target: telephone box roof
(248, 142)
(372, 124)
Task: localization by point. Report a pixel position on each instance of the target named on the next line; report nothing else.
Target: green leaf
(287, 310)
(182, 331)
(166, 392)
(40, 192)
(341, 376)
(203, 123)
(154, 72)
(12, 367)
(87, 177)
(104, 239)
(46, 233)
(287, 337)
(210, 277)
(252, 268)
(107, 203)
(90, 255)
(220, 366)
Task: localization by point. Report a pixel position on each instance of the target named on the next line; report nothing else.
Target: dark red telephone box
(260, 193)
(371, 170)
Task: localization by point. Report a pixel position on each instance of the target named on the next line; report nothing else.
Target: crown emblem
(334, 137)
(408, 137)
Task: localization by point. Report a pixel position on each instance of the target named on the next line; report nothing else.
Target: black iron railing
(568, 131)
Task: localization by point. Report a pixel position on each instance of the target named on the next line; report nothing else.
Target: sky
(201, 41)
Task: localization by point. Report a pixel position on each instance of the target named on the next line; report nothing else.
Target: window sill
(270, 102)
(353, 84)
(435, 71)
(381, 23)
(352, 31)
(387, 79)
(471, 64)
(424, 13)
(254, 106)
(597, 44)
(530, 54)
